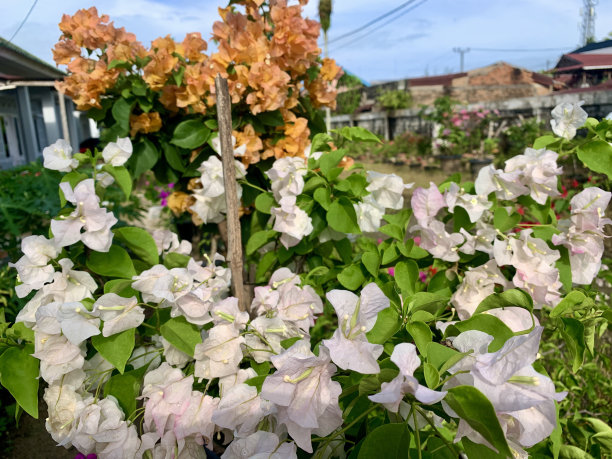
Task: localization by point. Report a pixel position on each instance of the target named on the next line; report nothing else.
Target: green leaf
(262, 368)
(121, 113)
(126, 388)
(313, 183)
(387, 324)
(357, 133)
(259, 239)
(287, 343)
(389, 441)
(320, 143)
(140, 242)
(264, 202)
(490, 325)
(341, 216)
(438, 355)
(393, 231)
(478, 451)
(173, 157)
(568, 304)
(400, 219)
(508, 298)
(19, 375)
(406, 276)
(597, 156)
(544, 141)
(351, 277)
(573, 452)
(145, 157)
(432, 377)
(503, 221)
(428, 301)
(181, 334)
(176, 260)
(390, 254)
(121, 176)
(116, 349)
(345, 250)
(122, 287)
(371, 261)
(421, 334)
(565, 269)
(329, 161)
(476, 409)
(190, 134)
(323, 197)
(273, 118)
(573, 332)
(256, 381)
(114, 263)
(265, 264)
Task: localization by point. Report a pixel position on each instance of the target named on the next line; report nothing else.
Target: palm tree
(325, 11)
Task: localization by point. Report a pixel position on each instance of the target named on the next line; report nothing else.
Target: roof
(593, 47)
(17, 64)
(438, 80)
(575, 61)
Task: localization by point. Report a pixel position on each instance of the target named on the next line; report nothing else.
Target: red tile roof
(438, 80)
(578, 61)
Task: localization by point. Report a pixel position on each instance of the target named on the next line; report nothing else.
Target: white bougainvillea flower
(567, 118)
(72, 319)
(57, 356)
(518, 393)
(477, 284)
(65, 406)
(426, 203)
(538, 171)
(287, 176)
(387, 190)
(298, 305)
(216, 145)
(58, 157)
(209, 210)
(196, 421)
(241, 409)
(515, 318)
(589, 208)
(227, 382)
(88, 215)
(481, 241)
(392, 393)
(369, 214)
(117, 153)
(437, 241)
(291, 221)
(349, 347)
(305, 396)
(159, 284)
(98, 371)
(506, 185)
(115, 437)
(220, 353)
(268, 332)
(118, 313)
(33, 267)
(104, 179)
(227, 311)
(260, 445)
(475, 205)
(265, 299)
(168, 242)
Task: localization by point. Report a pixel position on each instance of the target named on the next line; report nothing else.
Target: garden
(223, 276)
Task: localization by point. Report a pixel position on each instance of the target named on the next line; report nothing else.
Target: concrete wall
(394, 123)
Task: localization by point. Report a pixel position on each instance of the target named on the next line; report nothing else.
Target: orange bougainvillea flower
(179, 202)
(253, 143)
(145, 123)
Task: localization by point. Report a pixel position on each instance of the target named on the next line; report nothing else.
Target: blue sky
(419, 42)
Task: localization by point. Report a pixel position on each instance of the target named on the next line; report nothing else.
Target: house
(499, 81)
(584, 69)
(32, 113)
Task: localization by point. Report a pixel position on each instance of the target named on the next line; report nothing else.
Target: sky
(527, 33)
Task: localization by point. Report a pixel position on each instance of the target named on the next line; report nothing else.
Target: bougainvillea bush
(163, 96)
(424, 344)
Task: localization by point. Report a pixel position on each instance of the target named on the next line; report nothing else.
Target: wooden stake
(234, 240)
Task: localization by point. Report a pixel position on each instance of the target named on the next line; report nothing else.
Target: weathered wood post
(234, 240)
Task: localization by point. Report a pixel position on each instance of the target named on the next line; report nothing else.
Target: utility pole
(587, 28)
(461, 52)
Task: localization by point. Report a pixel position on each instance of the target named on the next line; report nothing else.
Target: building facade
(32, 112)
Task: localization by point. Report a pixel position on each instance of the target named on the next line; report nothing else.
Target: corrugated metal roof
(39, 68)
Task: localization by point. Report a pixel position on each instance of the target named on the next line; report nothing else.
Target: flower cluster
(268, 53)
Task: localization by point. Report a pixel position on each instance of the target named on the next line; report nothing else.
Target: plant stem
(416, 431)
(449, 445)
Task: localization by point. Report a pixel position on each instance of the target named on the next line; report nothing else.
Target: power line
(373, 21)
(380, 26)
(24, 20)
(519, 50)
